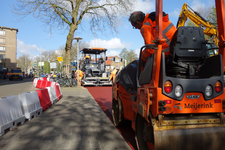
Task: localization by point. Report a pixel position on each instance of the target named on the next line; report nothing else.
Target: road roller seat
(187, 51)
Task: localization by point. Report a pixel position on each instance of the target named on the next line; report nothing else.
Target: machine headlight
(178, 91)
(208, 90)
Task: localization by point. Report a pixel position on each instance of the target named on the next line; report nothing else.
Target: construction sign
(60, 58)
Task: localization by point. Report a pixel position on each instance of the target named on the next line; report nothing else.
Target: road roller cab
(176, 102)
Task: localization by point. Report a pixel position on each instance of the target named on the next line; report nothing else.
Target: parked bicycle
(65, 81)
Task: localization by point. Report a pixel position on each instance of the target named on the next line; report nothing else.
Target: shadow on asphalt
(72, 123)
(103, 96)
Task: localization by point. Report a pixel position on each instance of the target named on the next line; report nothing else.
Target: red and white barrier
(35, 82)
(58, 92)
(44, 99)
(16, 109)
(52, 94)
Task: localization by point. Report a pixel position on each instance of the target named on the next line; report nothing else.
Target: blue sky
(33, 37)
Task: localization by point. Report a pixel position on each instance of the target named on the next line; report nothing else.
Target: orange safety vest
(113, 75)
(148, 33)
(80, 73)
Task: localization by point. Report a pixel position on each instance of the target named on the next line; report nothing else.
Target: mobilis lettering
(197, 106)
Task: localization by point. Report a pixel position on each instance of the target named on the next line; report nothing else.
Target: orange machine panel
(126, 102)
(191, 103)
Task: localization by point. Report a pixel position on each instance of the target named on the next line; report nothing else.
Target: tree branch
(60, 14)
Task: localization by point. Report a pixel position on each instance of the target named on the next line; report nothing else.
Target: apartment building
(8, 47)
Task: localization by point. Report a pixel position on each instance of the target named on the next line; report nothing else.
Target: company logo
(178, 106)
(198, 106)
(193, 96)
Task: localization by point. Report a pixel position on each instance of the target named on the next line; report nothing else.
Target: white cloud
(144, 6)
(113, 43)
(175, 13)
(112, 53)
(28, 48)
(197, 4)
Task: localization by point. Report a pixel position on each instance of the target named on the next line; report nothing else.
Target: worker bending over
(147, 26)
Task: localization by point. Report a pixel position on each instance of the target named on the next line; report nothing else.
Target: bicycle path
(76, 122)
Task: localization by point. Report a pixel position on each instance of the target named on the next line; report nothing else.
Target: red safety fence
(48, 83)
(42, 83)
(44, 98)
(38, 85)
(58, 92)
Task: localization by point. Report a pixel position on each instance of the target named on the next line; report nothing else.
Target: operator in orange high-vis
(81, 74)
(87, 59)
(147, 25)
(113, 75)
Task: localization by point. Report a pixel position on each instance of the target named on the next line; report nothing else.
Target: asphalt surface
(76, 122)
(15, 87)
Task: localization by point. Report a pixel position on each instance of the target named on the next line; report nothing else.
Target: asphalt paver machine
(175, 103)
(93, 62)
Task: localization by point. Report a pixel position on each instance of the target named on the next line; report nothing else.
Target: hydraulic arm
(188, 13)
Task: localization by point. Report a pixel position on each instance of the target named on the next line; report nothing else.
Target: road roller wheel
(144, 134)
(117, 113)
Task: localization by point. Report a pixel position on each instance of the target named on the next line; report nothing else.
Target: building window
(2, 64)
(2, 33)
(2, 57)
(2, 41)
(117, 60)
(107, 67)
(2, 48)
(112, 67)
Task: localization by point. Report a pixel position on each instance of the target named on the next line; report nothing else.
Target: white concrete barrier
(6, 120)
(30, 104)
(10, 113)
(52, 94)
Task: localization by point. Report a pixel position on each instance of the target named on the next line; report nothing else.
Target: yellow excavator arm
(198, 20)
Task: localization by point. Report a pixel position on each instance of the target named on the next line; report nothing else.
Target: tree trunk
(68, 47)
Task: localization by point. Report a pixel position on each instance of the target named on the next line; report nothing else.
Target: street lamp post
(77, 38)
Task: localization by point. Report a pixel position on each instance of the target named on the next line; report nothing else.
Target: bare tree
(70, 13)
(24, 62)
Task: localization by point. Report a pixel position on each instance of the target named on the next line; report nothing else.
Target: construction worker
(113, 75)
(146, 24)
(54, 75)
(81, 74)
(87, 59)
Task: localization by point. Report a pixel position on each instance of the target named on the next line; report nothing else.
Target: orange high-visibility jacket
(148, 33)
(113, 75)
(80, 74)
